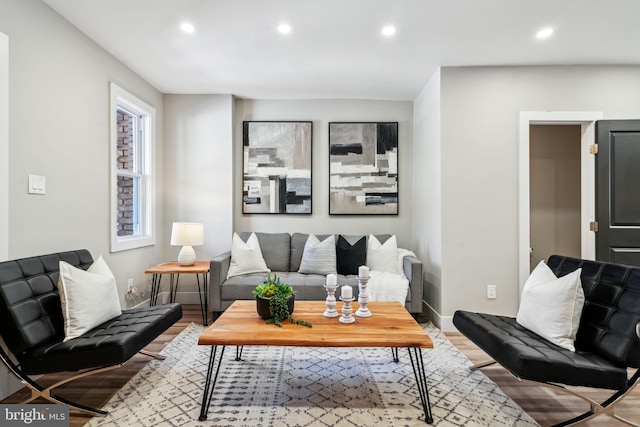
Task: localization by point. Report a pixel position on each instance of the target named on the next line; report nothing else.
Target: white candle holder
(347, 311)
(331, 301)
(363, 297)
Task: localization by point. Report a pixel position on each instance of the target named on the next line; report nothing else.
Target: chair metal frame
(607, 407)
(38, 391)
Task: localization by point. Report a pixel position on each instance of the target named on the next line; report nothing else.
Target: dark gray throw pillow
(349, 257)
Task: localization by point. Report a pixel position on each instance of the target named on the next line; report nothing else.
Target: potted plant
(275, 301)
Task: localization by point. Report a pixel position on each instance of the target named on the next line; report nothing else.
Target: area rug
(299, 386)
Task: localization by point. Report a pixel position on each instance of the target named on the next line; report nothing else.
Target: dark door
(618, 191)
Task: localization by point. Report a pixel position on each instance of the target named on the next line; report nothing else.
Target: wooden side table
(173, 269)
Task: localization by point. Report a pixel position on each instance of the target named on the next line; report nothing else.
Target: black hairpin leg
(208, 384)
(239, 349)
(173, 286)
(155, 288)
(204, 306)
(394, 353)
(421, 381)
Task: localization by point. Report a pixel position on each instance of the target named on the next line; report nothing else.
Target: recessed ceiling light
(187, 27)
(284, 28)
(389, 30)
(544, 33)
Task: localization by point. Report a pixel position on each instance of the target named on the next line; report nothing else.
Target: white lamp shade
(187, 234)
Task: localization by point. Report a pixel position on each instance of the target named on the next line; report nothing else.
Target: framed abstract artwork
(363, 168)
(276, 167)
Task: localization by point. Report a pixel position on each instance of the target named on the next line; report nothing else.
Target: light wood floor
(544, 405)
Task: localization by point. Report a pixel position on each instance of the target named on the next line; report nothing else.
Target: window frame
(122, 99)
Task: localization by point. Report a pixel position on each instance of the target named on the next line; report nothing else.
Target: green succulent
(272, 286)
(278, 294)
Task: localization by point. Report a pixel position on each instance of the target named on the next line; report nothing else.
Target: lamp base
(187, 256)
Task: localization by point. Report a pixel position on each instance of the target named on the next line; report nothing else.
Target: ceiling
(336, 49)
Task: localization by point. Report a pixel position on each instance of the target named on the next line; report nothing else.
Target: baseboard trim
(444, 323)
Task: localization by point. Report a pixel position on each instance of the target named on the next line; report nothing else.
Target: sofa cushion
(246, 257)
(350, 256)
(275, 249)
(528, 357)
(306, 286)
(298, 240)
(319, 257)
(383, 256)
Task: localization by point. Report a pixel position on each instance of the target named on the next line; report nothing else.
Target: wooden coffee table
(390, 326)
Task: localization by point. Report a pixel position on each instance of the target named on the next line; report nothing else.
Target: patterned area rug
(293, 386)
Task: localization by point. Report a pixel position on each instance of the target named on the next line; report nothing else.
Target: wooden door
(618, 191)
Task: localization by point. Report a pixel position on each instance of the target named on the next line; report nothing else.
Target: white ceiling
(336, 49)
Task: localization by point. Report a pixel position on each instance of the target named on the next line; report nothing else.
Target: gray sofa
(282, 253)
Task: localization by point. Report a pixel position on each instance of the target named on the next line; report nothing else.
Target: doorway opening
(554, 191)
(586, 121)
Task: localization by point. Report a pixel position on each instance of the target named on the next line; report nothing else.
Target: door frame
(586, 120)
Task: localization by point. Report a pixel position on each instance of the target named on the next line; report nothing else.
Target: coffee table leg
(239, 349)
(394, 354)
(421, 381)
(208, 384)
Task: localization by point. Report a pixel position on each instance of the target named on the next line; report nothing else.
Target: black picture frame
(363, 168)
(277, 166)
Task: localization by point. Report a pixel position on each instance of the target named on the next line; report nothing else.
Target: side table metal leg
(173, 290)
(209, 385)
(203, 299)
(155, 288)
(421, 381)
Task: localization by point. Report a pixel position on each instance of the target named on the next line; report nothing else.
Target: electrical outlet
(491, 291)
(129, 284)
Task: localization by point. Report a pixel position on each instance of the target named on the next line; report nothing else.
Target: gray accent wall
(321, 112)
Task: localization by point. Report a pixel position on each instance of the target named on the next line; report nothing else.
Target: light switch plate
(37, 184)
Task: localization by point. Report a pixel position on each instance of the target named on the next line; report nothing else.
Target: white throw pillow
(319, 257)
(89, 298)
(383, 257)
(551, 307)
(247, 257)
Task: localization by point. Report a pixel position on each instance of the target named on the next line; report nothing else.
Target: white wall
(480, 110)
(198, 175)
(59, 128)
(321, 112)
(4, 147)
(427, 194)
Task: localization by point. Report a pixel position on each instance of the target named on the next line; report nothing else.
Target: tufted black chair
(31, 325)
(607, 343)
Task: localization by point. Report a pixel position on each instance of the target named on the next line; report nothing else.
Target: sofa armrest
(218, 274)
(412, 267)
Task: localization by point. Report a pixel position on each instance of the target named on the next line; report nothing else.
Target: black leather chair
(607, 343)
(31, 325)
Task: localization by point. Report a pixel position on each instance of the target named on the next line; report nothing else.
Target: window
(132, 165)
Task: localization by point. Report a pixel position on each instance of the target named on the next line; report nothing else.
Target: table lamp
(187, 234)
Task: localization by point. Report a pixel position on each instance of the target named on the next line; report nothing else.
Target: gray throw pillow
(319, 257)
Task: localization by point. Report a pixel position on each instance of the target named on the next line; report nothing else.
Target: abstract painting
(276, 167)
(363, 168)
